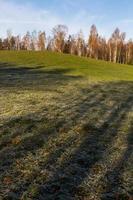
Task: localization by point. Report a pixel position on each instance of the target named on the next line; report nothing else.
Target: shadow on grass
(95, 141)
(114, 188)
(75, 143)
(32, 78)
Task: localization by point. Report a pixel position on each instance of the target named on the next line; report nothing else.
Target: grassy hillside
(95, 70)
(66, 127)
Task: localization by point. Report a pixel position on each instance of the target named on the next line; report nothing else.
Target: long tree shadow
(115, 188)
(71, 173)
(13, 77)
(33, 137)
(87, 145)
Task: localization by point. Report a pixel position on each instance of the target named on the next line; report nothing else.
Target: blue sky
(20, 16)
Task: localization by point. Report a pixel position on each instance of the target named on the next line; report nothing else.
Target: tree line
(116, 49)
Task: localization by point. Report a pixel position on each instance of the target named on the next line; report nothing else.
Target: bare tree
(41, 41)
(1, 44)
(93, 42)
(17, 43)
(9, 36)
(34, 41)
(26, 42)
(50, 44)
(80, 43)
(115, 49)
(59, 33)
(129, 52)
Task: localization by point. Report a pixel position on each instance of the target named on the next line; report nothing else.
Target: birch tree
(59, 33)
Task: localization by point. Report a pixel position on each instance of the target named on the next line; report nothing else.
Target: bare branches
(115, 49)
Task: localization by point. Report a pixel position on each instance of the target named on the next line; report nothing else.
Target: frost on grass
(64, 138)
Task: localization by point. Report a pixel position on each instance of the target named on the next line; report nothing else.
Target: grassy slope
(66, 127)
(96, 70)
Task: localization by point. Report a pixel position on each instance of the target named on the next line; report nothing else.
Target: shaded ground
(64, 138)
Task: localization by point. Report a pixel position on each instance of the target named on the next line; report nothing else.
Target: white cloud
(21, 18)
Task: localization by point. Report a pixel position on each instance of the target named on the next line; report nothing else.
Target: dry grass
(62, 137)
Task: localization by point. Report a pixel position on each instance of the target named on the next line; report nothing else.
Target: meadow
(66, 127)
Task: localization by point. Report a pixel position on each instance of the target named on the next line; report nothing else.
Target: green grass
(95, 70)
(66, 127)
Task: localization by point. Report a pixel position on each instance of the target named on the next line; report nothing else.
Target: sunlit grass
(66, 127)
(92, 69)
